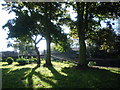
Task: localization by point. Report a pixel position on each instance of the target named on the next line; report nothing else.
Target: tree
(86, 26)
(45, 14)
(24, 27)
(52, 31)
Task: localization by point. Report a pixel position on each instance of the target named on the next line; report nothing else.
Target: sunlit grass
(111, 69)
(61, 75)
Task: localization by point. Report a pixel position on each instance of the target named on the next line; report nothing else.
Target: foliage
(32, 60)
(46, 19)
(24, 47)
(9, 60)
(40, 20)
(22, 61)
(60, 48)
(86, 27)
(24, 30)
(105, 39)
(25, 60)
(106, 45)
(94, 52)
(91, 63)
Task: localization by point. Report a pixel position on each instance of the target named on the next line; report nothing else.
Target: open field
(61, 75)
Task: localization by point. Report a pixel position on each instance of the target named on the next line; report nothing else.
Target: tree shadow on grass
(92, 78)
(17, 78)
(5, 70)
(59, 77)
(29, 77)
(72, 78)
(20, 65)
(89, 78)
(13, 78)
(5, 64)
(41, 78)
(45, 79)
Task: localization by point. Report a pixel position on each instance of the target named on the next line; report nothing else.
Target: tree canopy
(34, 21)
(86, 27)
(46, 18)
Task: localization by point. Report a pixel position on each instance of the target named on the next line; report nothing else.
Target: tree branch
(39, 40)
(35, 38)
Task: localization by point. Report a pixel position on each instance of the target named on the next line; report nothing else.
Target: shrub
(33, 60)
(9, 60)
(66, 62)
(91, 63)
(22, 61)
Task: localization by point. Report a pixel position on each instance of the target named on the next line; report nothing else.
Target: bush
(91, 63)
(35, 59)
(22, 61)
(32, 60)
(9, 60)
(66, 62)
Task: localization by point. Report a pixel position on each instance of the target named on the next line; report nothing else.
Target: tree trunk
(81, 34)
(82, 53)
(48, 54)
(38, 56)
(48, 39)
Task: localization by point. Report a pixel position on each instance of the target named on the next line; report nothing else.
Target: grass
(61, 75)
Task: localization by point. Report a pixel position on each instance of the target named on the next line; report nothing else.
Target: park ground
(61, 75)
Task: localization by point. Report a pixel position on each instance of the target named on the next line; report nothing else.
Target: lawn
(61, 75)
